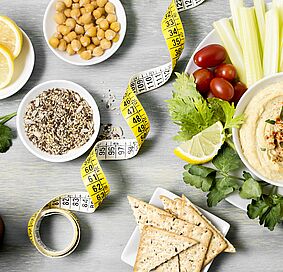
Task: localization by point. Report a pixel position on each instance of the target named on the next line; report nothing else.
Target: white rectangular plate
(130, 251)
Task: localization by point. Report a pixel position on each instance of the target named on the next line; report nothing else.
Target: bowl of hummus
(259, 141)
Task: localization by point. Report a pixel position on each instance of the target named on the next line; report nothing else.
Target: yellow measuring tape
(134, 114)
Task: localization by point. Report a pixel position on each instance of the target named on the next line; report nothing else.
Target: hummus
(261, 135)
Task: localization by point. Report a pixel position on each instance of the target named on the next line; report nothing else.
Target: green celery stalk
(281, 52)
(227, 34)
(279, 5)
(272, 44)
(234, 6)
(250, 45)
(260, 10)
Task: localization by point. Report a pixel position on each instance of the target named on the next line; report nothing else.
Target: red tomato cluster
(216, 78)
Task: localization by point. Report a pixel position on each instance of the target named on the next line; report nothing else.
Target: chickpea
(62, 45)
(70, 22)
(86, 27)
(99, 20)
(81, 50)
(94, 3)
(60, 6)
(115, 26)
(84, 2)
(100, 34)
(86, 55)
(104, 24)
(75, 13)
(79, 29)
(54, 42)
(111, 18)
(71, 36)
(70, 50)
(68, 3)
(64, 30)
(102, 10)
(89, 8)
(91, 47)
(58, 35)
(67, 13)
(110, 8)
(76, 45)
(95, 41)
(91, 32)
(105, 44)
(75, 6)
(85, 41)
(86, 18)
(98, 51)
(60, 18)
(116, 38)
(83, 10)
(110, 34)
(96, 14)
(101, 3)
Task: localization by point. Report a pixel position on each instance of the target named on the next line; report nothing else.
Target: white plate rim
(28, 73)
(72, 154)
(95, 60)
(128, 256)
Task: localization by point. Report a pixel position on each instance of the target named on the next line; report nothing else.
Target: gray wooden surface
(27, 182)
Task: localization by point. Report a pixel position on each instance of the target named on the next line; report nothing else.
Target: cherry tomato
(222, 88)
(239, 89)
(226, 71)
(202, 80)
(210, 56)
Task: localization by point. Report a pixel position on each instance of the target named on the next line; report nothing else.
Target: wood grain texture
(27, 182)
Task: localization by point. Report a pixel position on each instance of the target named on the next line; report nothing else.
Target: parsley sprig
(6, 134)
(219, 182)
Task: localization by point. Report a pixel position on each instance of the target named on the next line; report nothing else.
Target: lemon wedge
(203, 147)
(10, 36)
(6, 67)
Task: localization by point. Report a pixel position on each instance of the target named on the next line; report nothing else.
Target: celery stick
(225, 30)
(271, 45)
(260, 15)
(279, 4)
(234, 6)
(250, 45)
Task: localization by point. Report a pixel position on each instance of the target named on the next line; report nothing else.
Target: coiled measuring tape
(134, 114)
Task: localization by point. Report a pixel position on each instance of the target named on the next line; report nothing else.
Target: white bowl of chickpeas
(84, 32)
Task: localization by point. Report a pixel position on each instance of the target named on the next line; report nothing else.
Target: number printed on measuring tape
(94, 179)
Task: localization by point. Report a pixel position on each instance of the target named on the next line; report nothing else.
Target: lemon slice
(10, 36)
(203, 147)
(6, 67)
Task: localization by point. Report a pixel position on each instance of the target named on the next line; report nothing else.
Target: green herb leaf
(281, 114)
(271, 122)
(250, 189)
(221, 189)
(199, 176)
(5, 138)
(227, 160)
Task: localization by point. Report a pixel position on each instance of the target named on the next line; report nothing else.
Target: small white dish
(74, 153)
(130, 251)
(23, 66)
(49, 28)
(242, 104)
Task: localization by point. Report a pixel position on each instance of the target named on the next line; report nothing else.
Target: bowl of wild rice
(58, 121)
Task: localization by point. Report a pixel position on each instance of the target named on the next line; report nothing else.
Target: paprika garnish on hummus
(261, 135)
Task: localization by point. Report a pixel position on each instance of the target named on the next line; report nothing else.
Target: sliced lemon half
(6, 67)
(203, 147)
(10, 35)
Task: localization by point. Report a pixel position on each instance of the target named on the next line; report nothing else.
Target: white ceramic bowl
(72, 154)
(243, 103)
(23, 64)
(49, 28)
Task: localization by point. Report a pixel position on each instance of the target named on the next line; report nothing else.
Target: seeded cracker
(158, 246)
(191, 259)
